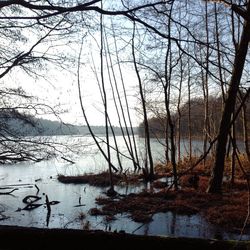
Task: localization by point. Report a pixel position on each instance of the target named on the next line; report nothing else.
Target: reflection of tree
(173, 224)
(146, 228)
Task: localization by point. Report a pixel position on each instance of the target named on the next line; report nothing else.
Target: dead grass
(228, 210)
(142, 206)
(159, 184)
(101, 180)
(204, 169)
(229, 216)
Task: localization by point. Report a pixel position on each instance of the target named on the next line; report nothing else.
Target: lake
(67, 213)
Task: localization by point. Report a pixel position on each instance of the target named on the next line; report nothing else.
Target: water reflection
(68, 213)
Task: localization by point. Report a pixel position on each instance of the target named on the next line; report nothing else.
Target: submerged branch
(10, 192)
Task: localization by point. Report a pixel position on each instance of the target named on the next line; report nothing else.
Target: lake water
(67, 214)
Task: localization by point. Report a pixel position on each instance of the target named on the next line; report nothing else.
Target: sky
(58, 86)
(60, 90)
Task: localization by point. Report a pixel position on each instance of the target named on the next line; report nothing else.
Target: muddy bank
(36, 238)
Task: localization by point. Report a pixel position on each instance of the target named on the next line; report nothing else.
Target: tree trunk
(233, 155)
(245, 126)
(189, 113)
(167, 90)
(111, 191)
(132, 147)
(150, 175)
(206, 90)
(179, 111)
(240, 57)
(245, 131)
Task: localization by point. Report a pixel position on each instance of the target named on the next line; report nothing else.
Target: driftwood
(10, 192)
(48, 205)
(80, 205)
(37, 189)
(27, 185)
(31, 206)
(80, 202)
(15, 187)
(29, 200)
(48, 209)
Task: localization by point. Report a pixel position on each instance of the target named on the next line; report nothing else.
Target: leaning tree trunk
(148, 173)
(111, 190)
(239, 61)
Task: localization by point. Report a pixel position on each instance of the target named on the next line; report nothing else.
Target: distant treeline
(158, 124)
(18, 124)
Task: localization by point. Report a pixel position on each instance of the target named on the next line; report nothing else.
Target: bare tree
(238, 66)
(149, 173)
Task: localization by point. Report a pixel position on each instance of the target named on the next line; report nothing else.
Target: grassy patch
(103, 179)
(228, 210)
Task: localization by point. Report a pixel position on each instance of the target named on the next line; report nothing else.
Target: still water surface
(67, 214)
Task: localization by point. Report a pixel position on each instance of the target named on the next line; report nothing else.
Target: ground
(41, 239)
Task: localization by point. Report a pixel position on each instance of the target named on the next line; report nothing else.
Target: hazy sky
(60, 88)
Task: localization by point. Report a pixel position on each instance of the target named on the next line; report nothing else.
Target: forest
(157, 124)
(177, 69)
(32, 126)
